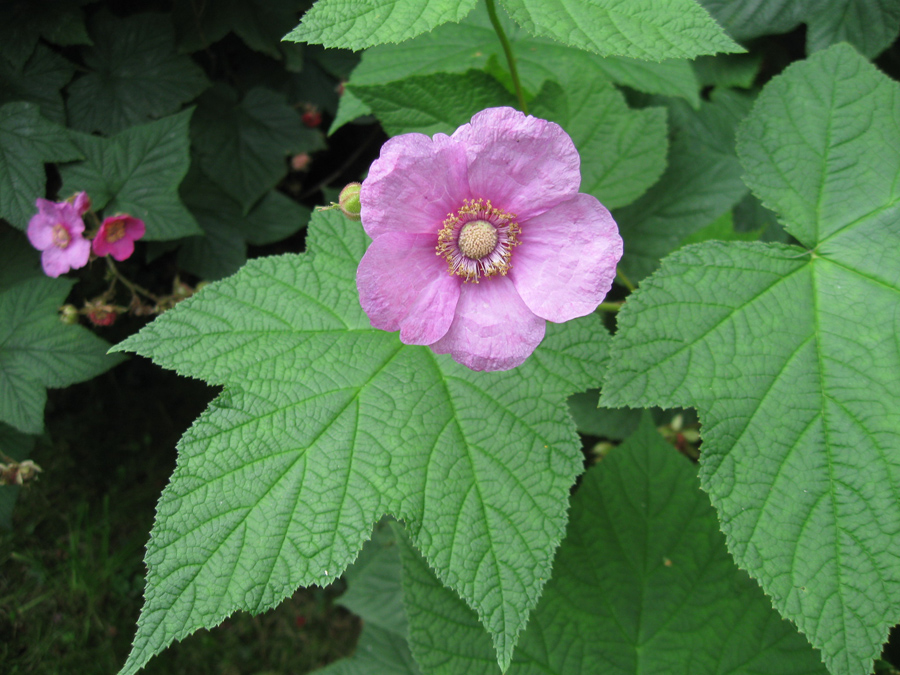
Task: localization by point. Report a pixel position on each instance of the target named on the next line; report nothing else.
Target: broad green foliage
(870, 25)
(24, 22)
(721, 229)
(259, 23)
(38, 81)
(357, 24)
(623, 151)
(18, 259)
(137, 172)
(375, 595)
(27, 140)
(434, 103)
(378, 652)
(373, 583)
(37, 351)
(644, 29)
(701, 182)
(325, 424)
(641, 584)
(728, 70)
(227, 231)
(242, 145)
(792, 357)
(134, 74)
(457, 48)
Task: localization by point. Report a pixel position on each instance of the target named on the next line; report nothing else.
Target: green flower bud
(348, 201)
(68, 314)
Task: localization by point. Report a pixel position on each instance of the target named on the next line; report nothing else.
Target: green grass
(71, 569)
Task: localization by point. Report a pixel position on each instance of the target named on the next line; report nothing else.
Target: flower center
(115, 231)
(477, 240)
(61, 236)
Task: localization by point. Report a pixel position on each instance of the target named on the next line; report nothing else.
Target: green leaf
(589, 419)
(644, 29)
(375, 595)
(378, 652)
(373, 583)
(27, 140)
(18, 259)
(38, 351)
(791, 358)
(327, 424)
(222, 250)
(701, 182)
(356, 25)
(728, 70)
(623, 151)
(38, 81)
(473, 44)
(138, 172)
(721, 229)
(433, 103)
(869, 25)
(134, 74)
(242, 146)
(24, 22)
(18, 446)
(641, 584)
(259, 23)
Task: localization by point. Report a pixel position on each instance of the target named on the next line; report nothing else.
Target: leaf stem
(624, 281)
(507, 49)
(610, 306)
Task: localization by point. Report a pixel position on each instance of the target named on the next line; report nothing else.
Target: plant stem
(624, 281)
(610, 306)
(507, 49)
(134, 288)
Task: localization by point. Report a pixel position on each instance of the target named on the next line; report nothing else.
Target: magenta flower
(481, 237)
(117, 235)
(56, 230)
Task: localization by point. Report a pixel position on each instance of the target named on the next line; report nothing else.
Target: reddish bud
(312, 118)
(300, 162)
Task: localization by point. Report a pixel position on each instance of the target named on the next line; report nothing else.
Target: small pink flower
(117, 235)
(56, 230)
(481, 237)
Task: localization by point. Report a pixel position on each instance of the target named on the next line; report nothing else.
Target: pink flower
(56, 230)
(117, 235)
(481, 237)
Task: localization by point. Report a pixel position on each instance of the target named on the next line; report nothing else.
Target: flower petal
(566, 261)
(493, 329)
(404, 285)
(56, 261)
(413, 185)
(523, 164)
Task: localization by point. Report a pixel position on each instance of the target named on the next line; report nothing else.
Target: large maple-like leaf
(325, 424)
(790, 354)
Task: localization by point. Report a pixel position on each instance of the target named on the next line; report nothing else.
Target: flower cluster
(57, 230)
(481, 237)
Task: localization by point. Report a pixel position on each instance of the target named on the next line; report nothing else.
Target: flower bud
(68, 314)
(348, 201)
(301, 161)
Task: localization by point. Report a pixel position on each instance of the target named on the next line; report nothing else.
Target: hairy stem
(507, 49)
